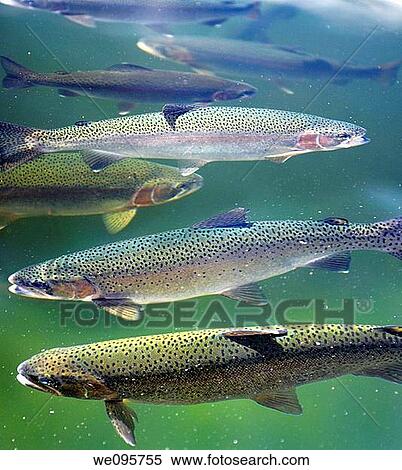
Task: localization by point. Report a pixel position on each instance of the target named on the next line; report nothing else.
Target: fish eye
(344, 135)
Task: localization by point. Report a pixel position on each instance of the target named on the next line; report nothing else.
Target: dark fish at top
(154, 12)
(129, 83)
(263, 364)
(260, 59)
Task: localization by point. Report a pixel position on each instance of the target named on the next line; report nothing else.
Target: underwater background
(362, 184)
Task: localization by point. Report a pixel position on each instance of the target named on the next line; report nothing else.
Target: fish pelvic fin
(117, 221)
(281, 400)
(125, 309)
(388, 73)
(17, 76)
(16, 147)
(123, 419)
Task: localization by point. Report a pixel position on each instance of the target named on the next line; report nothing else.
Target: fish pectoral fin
(98, 160)
(116, 221)
(122, 308)
(123, 419)
(339, 262)
(172, 112)
(82, 20)
(261, 340)
(188, 167)
(234, 218)
(125, 107)
(284, 400)
(65, 93)
(249, 293)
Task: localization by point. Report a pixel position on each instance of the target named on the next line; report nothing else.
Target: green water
(361, 184)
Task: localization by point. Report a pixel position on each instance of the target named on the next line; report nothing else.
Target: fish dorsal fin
(234, 218)
(335, 221)
(261, 340)
(98, 160)
(126, 67)
(172, 112)
(82, 123)
(188, 167)
(282, 400)
(339, 262)
(116, 221)
(123, 419)
(122, 308)
(248, 293)
(83, 20)
(125, 107)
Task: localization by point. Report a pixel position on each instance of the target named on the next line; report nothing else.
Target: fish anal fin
(172, 112)
(284, 400)
(234, 218)
(123, 419)
(340, 262)
(98, 160)
(82, 20)
(390, 372)
(261, 340)
(188, 167)
(122, 308)
(117, 221)
(249, 293)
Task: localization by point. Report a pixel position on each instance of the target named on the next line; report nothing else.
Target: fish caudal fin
(388, 73)
(123, 419)
(17, 75)
(15, 146)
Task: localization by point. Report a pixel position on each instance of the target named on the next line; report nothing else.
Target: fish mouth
(358, 140)
(27, 381)
(32, 292)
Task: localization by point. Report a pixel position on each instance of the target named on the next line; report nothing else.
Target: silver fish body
(225, 255)
(129, 83)
(88, 12)
(260, 59)
(192, 135)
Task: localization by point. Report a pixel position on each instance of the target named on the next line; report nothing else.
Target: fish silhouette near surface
(129, 83)
(156, 13)
(225, 255)
(191, 134)
(263, 364)
(63, 185)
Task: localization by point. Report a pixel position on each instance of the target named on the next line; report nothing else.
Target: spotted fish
(225, 255)
(156, 13)
(62, 184)
(256, 363)
(129, 83)
(194, 135)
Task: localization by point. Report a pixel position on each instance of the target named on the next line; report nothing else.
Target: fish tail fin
(17, 75)
(388, 73)
(389, 236)
(15, 146)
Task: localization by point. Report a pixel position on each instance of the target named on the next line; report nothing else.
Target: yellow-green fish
(190, 134)
(226, 255)
(264, 364)
(63, 185)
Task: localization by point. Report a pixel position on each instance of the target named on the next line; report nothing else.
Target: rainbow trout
(225, 255)
(62, 184)
(264, 364)
(260, 59)
(129, 83)
(191, 134)
(155, 12)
